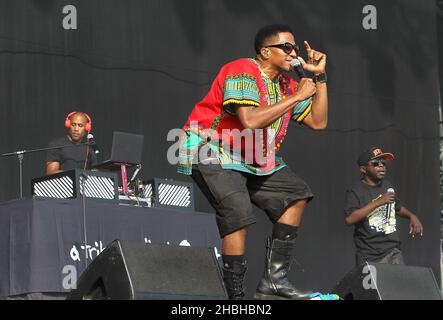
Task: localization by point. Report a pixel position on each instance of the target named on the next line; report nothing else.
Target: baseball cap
(373, 153)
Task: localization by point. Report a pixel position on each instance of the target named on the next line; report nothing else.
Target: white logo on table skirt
(92, 251)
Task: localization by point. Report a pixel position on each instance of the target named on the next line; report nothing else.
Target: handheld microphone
(139, 166)
(296, 66)
(389, 206)
(92, 143)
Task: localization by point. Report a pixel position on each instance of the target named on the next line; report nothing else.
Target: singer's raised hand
(316, 60)
(388, 197)
(305, 89)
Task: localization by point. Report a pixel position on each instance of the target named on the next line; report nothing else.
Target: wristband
(322, 78)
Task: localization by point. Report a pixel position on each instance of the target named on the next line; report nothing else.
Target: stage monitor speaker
(380, 281)
(138, 271)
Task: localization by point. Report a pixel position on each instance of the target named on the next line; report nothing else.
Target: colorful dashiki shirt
(213, 126)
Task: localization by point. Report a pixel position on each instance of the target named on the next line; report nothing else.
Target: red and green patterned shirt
(214, 124)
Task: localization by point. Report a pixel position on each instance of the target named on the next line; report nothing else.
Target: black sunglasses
(377, 163)
(286, 47)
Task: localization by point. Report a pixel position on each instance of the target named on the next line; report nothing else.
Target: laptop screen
(127, 148)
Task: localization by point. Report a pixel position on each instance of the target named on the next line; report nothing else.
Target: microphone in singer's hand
(389, 207)
(92, 143)
(296, 66)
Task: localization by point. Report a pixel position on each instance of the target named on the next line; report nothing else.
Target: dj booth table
(42, 240)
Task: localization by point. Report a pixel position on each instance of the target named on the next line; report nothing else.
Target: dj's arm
(53, 167)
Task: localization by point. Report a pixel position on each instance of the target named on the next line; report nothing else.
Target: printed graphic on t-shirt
(381, 220)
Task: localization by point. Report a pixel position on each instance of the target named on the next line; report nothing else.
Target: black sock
(228, 261)
(284, 232)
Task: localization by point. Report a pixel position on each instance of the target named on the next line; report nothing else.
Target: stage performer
(74, 153)
(231, 139)
(372, 208)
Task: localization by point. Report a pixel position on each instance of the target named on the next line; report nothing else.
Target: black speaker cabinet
(379, 281)
(138, 271)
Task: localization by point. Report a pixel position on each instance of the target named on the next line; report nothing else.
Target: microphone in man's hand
(92, 143)
(296, 66)
(389, 207)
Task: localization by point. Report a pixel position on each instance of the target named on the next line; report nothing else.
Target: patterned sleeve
(240, 89)
(301, 110)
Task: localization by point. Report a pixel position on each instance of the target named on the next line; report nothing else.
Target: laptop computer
(127, 148)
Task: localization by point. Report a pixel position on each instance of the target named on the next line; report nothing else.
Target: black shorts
(231, 193)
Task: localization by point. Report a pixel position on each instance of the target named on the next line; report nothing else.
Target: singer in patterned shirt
(231, 138)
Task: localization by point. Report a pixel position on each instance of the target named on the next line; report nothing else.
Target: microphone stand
(21, 154)
(85, 237)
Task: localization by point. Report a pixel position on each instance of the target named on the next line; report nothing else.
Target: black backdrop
(140, 66)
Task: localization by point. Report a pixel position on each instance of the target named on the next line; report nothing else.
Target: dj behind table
(47, 242)
(109, 180)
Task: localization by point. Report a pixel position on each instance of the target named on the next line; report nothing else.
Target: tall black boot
(234, 276)
(275, 284)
